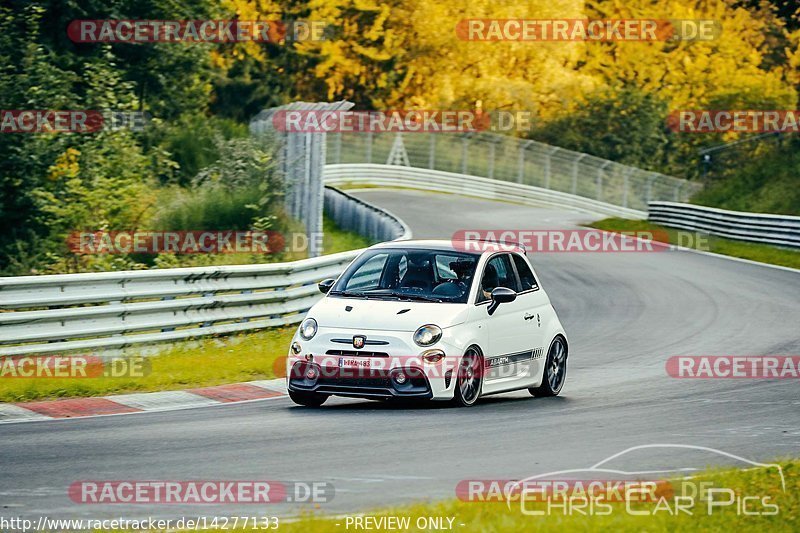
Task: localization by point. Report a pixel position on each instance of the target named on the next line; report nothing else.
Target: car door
(536, 309)
(508, 354)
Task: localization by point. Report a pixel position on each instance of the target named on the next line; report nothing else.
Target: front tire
(555, 369)
(469, 378)
(308, 399)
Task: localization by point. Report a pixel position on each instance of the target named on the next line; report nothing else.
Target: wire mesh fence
(302, 155)
(513, 160)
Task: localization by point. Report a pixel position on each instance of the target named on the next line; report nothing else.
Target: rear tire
(308, 399)
(555, 369)
(469, 378)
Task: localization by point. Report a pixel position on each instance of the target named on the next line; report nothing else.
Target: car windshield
(409, 274)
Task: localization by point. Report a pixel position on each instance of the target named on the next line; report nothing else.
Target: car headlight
(308, 328)
(427, 335)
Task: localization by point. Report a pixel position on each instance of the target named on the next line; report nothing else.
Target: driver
(489, 282)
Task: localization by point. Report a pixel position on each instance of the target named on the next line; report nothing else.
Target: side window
(368, 275)
(525, 275)
(497, 273)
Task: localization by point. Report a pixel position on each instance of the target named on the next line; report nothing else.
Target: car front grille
(354, 353)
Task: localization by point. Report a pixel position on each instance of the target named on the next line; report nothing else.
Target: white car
(440, 320)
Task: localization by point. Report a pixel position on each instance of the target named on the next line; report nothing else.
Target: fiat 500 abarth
(429, 319)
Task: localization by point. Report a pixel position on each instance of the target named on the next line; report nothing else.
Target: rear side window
(526, 278)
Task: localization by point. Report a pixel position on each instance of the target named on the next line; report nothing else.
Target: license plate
(345, 362)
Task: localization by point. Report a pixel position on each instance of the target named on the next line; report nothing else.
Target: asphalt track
(625, 313)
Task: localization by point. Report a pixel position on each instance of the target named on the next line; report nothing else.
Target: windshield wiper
(384, 293)
(401, 295)
(349, 294)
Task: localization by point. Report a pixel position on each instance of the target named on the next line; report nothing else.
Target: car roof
(475, 247)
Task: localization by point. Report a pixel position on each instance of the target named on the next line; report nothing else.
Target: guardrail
(437, 180)
(352, 214)
(56, 313)
(780, 230)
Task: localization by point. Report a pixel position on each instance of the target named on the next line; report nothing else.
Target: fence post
(547, 167)
(521, 161)
(339, 148)
(625, 183)
(649, 190)
(575, 173)
(464, 149)
(302, 158)
(432, 152)
(678, 192)
(600, 170)
(369, 147)
(492, 145)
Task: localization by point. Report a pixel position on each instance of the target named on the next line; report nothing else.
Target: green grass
(762, 253)
(767, 182)
(338, 240)
(478, 516)
(187, 364)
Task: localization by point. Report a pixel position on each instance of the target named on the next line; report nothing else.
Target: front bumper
(337, 371)
(357, 383)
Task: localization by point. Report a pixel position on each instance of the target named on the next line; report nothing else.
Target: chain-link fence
(513, 160)
(301, 157)
(510, 159)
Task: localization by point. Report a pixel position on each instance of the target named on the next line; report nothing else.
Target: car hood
(387, 315)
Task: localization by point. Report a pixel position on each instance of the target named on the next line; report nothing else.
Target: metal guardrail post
(432, 151)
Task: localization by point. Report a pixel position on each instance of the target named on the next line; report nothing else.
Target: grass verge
(761, 486)
(337, 240)
(187, 364)
(762, 253)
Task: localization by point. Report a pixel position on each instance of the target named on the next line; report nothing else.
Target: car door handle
(529, 317)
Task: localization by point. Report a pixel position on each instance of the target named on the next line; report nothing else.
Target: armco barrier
(437, 180)
(122, 308)
(780, 230)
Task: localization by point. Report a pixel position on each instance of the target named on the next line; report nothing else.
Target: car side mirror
(325, 285)
(500, 295)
